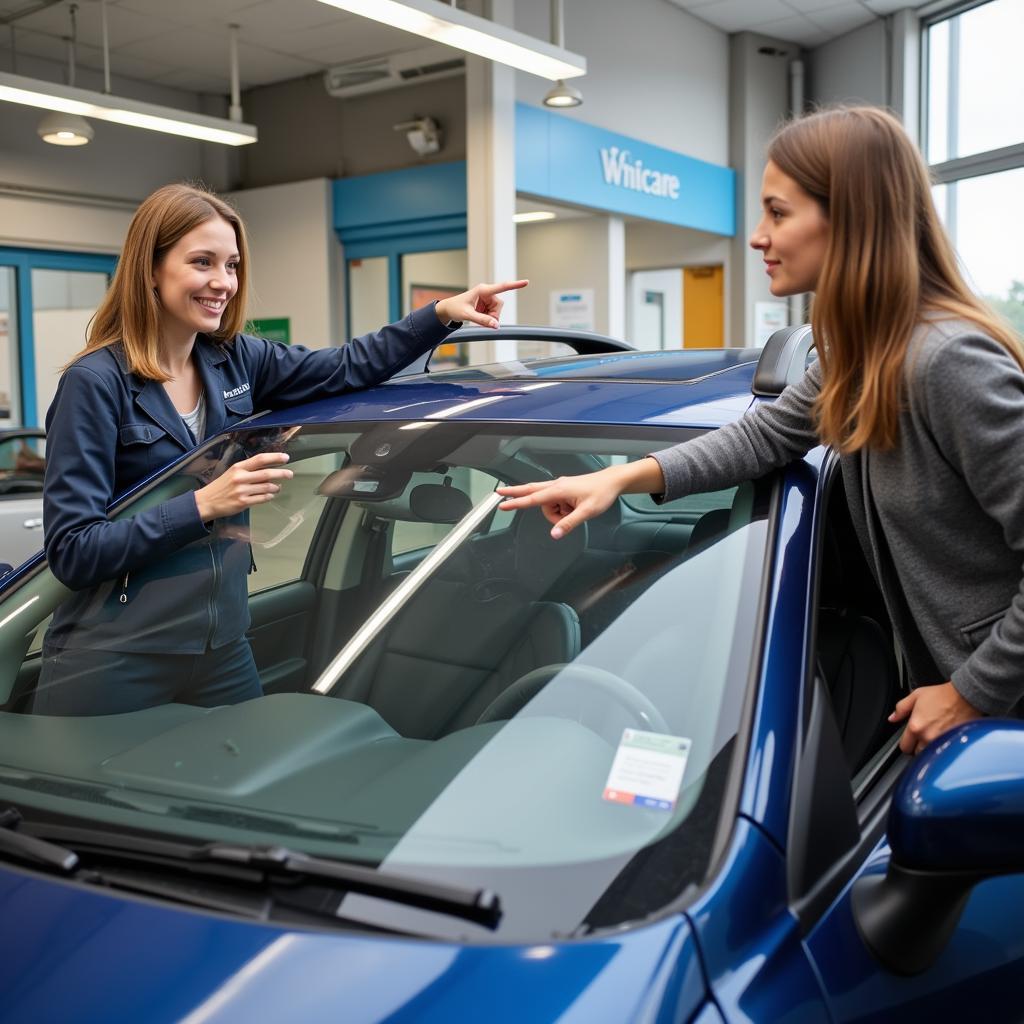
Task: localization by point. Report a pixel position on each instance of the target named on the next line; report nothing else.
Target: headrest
(539, 559)
(711, 526)
(439, 503)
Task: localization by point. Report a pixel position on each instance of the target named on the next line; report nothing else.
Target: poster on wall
(768, 318)
(274, 328)
(572, 309)
(421, 295)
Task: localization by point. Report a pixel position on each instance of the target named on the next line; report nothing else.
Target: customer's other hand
(931, 711)
(480, 305)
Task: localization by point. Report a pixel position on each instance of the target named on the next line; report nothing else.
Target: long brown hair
(888, 265)
(130, 311)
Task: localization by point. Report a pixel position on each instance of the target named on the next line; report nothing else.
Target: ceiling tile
(192, 81)
(208, 52)
(791, 30)
(890, 6)
(836, 21)
(809, 6)
(194, 13)
(738, 15)
(123, 26)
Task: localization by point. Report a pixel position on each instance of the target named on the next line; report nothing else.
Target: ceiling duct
(372, 75)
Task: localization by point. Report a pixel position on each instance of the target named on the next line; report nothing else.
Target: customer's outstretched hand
(480, 305)
(571, 500)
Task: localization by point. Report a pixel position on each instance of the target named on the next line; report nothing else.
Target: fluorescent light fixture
(66, 99)
(533, 215)
(453, 27)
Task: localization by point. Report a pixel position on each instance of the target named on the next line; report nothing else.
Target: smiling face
(196, 279)
(792, 235)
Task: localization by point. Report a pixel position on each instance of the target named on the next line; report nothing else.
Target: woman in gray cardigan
(918, 386)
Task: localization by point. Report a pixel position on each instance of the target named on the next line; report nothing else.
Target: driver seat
(464, 637)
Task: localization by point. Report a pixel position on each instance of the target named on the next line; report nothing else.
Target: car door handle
(33, 524)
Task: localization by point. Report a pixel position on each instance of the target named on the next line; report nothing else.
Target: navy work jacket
(160, 581)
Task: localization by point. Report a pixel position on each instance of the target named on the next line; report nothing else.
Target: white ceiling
(807, 22)
(184, 43)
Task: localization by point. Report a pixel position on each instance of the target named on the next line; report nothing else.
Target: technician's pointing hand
(480, 305)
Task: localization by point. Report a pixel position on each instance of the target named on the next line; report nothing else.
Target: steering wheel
(587, 679)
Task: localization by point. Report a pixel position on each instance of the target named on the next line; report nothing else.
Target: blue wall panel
(564, 159)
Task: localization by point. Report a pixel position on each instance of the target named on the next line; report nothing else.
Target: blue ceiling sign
(564, 159)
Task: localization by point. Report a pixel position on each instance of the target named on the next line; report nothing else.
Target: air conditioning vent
(363, 76)
(347, 76)
(456, 66)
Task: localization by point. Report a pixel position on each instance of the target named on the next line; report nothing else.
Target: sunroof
(675, 365)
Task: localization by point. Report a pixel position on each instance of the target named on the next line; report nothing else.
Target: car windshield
(450, 694)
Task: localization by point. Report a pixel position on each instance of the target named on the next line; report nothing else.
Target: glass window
(469, 717)
(10, 405)
(975, 81)
(367, 294)
(283, 529)
(63, 302)
(985, 216)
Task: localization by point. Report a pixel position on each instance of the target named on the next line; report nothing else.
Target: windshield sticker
(648, 769)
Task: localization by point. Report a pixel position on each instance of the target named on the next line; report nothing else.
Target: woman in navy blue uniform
(159, 608)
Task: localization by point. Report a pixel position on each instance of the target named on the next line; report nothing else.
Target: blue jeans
(84, 682)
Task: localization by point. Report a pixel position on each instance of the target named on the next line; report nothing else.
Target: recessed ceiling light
(533, 215)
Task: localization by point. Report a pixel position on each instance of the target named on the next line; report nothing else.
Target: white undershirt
(196, 419)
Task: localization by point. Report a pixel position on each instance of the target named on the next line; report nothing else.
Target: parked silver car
(22, 460)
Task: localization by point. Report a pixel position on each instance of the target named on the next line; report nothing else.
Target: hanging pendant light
(63, 129)
(560, 94)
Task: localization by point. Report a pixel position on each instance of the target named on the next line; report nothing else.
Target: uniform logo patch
(235, 392)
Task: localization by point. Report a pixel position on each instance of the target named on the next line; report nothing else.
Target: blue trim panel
(24, 262)
(437, 190)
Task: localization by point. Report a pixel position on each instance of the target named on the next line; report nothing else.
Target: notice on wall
(572, 309)
(768, 318)
(274, 328)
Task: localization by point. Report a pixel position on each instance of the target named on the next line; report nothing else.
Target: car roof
(696, 388)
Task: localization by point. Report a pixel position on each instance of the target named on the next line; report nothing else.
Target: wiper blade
(28, 848)
(482, 906)
(267, 863)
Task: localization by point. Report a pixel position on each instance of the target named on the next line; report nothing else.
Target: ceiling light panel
(442, 23)
(32, 92)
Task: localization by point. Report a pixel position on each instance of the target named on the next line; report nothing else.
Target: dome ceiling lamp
(560, 95)
(64, 129)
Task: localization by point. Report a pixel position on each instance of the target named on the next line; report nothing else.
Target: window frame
(975, 165)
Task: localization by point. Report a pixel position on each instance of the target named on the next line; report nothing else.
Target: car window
(22, 463)
(505, 710)
(283, 529)
(415, 534)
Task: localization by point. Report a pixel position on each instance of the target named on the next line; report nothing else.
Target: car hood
(69, 951)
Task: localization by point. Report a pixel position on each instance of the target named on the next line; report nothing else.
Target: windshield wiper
(29, 848)
(270, 865)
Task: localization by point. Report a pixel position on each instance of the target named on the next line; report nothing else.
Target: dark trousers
(82, 682)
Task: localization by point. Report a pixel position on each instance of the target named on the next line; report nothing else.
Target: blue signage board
(564, 159)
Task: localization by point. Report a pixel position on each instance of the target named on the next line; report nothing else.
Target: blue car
(643, 773)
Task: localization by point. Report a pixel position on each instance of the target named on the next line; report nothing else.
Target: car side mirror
(956, 819)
